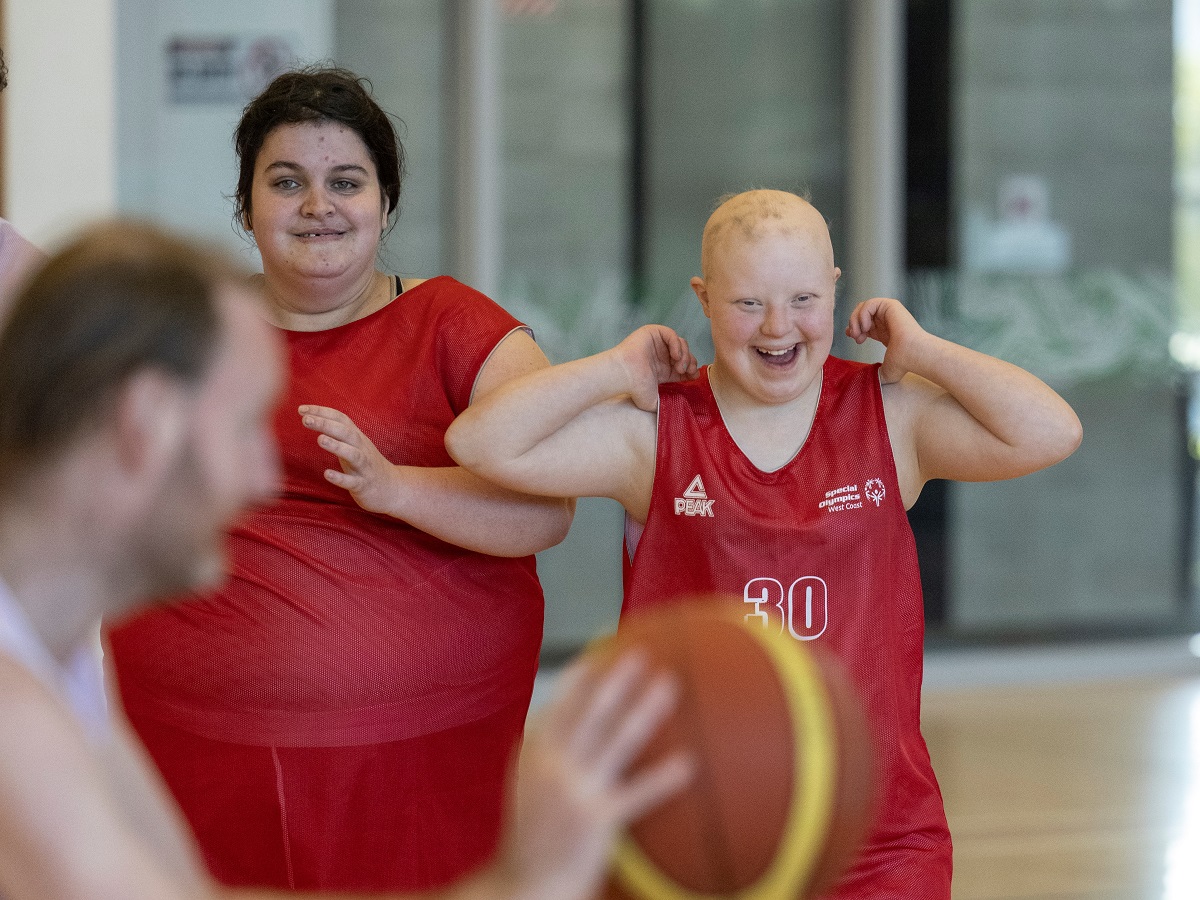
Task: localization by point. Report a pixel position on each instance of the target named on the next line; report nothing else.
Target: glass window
(1062, 184)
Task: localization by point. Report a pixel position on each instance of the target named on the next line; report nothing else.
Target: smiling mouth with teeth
(778, 358)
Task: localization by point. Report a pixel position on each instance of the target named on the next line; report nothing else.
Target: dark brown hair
(317, 94)
(120, 298)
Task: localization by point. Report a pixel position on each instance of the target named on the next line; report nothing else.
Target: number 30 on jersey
(802, 610)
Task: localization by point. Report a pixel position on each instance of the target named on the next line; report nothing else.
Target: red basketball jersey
(339, 626)
(820, 549)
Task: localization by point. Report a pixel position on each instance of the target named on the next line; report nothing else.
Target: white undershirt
(80, 683)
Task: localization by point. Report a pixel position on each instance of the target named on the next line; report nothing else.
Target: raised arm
(955, 413)
(584, 428)
(447, 502)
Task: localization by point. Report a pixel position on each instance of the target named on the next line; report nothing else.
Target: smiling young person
(341, 714)
(318, 212)
(779, 475)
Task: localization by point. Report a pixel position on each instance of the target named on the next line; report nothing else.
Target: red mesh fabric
(340, 627)
(405, 815)
(820, 547)
(340, 716)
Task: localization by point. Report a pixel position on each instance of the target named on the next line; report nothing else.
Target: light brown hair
(121, 297)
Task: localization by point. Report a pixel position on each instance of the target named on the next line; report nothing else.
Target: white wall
(90, 130)
(175, 160)
(60, 164)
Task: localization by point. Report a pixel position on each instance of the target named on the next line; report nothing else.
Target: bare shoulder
(39, 735)
(24, 696)
(44, 761)
(67, 827)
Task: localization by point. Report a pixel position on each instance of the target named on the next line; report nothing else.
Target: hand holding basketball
(782, 794)
(574, 790)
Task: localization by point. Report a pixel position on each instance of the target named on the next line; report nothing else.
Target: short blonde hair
(749, 213)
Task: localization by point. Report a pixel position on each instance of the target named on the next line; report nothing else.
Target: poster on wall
(1024, 238)
(225, 69)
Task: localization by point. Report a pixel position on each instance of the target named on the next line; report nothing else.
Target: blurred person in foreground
(139, 379)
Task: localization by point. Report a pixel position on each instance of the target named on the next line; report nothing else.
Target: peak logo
(694, 501)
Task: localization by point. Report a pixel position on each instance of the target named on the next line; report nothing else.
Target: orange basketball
(783, 784)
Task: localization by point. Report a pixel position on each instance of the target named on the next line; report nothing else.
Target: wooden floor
(1072, 774)
(1071, 790)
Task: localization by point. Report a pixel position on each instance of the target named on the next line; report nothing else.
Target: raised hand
(652, 355)
(887, 321)
(365, 472)
(574, 791)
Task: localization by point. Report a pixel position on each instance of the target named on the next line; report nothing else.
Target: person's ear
(150, 420)
(837, 273)
(701, 294)
(246, 221)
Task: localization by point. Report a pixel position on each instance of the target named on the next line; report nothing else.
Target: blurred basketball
(783, 787)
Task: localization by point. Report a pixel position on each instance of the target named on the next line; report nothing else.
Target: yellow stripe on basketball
(813, 783)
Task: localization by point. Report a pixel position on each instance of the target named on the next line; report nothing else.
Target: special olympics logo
(874, 490)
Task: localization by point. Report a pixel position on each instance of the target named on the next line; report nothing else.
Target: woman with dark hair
(341, 715)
